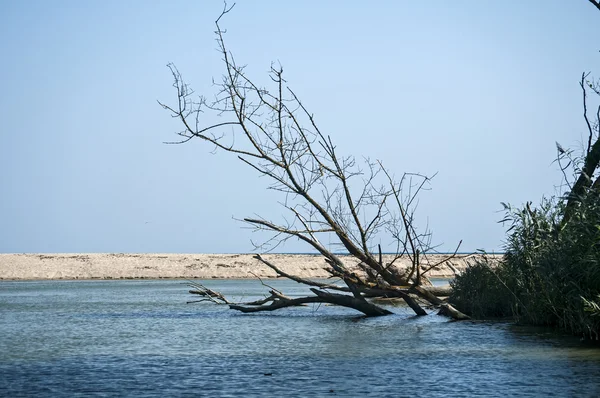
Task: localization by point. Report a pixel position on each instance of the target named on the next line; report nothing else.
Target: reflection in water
(139, 337)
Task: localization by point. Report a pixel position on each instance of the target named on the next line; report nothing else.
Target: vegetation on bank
(550, 274)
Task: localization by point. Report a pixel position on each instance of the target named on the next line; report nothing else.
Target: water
(125, 338)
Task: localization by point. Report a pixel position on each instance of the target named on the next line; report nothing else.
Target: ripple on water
(126, 338)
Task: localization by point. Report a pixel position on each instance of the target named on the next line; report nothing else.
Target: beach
(184, 266)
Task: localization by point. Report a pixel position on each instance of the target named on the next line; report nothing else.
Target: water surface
(118, 338)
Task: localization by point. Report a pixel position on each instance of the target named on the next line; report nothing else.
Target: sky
(477, 91)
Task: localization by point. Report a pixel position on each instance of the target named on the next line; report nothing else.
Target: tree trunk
(359, 304)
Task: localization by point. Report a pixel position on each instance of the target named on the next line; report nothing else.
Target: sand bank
(186, 266)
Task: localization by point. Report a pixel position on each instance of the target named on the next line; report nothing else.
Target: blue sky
(478, 91)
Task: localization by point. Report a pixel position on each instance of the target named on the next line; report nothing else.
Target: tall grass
(550, 274)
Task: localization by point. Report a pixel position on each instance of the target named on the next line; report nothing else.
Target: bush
(478, 293)
(550, 274)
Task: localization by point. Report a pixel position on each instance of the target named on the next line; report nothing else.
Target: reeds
(550, 274)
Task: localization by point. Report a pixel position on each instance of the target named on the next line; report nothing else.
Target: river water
(140, 338)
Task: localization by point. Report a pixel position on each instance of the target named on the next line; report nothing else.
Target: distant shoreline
(108, 266)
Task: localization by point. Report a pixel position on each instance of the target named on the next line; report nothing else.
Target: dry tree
(326, 193)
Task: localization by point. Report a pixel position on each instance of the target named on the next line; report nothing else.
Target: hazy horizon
(478, 92)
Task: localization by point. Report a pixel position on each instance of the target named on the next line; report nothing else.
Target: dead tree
(272, 132)
(586, 167)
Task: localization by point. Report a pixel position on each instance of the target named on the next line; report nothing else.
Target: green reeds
(550, 274)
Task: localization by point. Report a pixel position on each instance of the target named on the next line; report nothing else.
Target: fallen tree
(326, 194)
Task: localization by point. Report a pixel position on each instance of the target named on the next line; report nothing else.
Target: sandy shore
(187, 266)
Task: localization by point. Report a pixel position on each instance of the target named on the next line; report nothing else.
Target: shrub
(478, 293)
(550, 274)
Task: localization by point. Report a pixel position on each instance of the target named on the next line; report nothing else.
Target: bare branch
(209, 294)
(272, 132)
(304, 281)
(589, 126)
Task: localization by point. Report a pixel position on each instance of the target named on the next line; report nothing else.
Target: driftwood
(277, 300)
(320, 297)
(325, 194)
